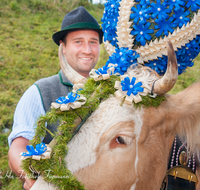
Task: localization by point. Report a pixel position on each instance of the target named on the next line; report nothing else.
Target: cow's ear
(184, 109)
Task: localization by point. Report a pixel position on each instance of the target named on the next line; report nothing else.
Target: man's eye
(93, 42)
(78, 42)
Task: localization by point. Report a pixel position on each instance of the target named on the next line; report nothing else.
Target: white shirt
(28, 110)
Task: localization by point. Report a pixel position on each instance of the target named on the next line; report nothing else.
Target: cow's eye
(120, 140)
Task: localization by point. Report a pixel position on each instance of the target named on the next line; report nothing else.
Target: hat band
(84, 25)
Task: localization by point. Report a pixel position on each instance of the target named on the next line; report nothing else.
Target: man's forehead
(86, 33)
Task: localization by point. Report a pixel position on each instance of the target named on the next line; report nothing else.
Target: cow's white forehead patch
(82, 148)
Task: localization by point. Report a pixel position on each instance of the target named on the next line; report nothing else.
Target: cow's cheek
(114, 169)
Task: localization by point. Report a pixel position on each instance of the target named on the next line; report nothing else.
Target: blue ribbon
(103, 70)
(39, 149)
(71, 97)
(131, 87)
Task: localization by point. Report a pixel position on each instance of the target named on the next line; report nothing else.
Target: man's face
(82, 50)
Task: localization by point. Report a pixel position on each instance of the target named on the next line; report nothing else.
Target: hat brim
(78, 26)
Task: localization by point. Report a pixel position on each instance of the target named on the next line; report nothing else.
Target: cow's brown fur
(179, 114)
(118, 162)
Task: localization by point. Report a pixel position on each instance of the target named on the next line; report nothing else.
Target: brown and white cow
(123, 148)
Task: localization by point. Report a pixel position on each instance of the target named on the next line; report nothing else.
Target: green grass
(27, 49)
(27, 53)
(191, 75)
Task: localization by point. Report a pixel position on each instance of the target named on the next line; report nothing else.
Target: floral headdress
(145, 25)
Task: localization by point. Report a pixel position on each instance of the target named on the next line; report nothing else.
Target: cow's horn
(73, 76)
(166, 83)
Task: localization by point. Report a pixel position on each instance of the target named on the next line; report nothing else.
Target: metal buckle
(183, 172)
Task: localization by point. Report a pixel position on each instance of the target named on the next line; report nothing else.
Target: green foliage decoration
(148, 101)
(95, 92)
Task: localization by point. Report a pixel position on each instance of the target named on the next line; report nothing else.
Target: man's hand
(19, 145)
(28, 183)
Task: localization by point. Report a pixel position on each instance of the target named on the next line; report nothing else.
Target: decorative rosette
(41, 151)
(77, 87)
(102, 73)
(146, 25)
(131, 89)
(72, 100)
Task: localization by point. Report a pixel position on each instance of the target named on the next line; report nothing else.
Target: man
(79, 41)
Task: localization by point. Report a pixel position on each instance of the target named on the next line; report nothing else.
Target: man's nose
(87, 48)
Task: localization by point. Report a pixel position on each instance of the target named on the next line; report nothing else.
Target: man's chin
(87, 67)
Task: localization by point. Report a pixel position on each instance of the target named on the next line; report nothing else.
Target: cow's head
(121, 147)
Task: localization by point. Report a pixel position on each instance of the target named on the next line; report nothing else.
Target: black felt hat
(77, 19)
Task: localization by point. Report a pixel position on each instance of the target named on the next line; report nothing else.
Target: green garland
(54, 169)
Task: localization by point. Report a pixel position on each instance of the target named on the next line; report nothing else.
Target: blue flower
(140, 13)
(110, 19)
(142, 32)
(122, 60)
(159, 10)
(180, 17)
(193, 4)
(176, 4)
(71, 97)
(197, 39)
(131, 87)
(143, 2)
(183, 65)
(111, 36)
(39, 149)
(111, 8)
(159, 65)
(185, 56)
(164, 26)
(109, 24)
(109, 28)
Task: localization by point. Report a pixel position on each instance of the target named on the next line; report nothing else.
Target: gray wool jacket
(50, 89)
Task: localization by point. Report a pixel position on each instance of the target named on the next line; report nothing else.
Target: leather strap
(178, 177)
(178, 184)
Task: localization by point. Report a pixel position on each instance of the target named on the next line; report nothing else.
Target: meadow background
(28, 53)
